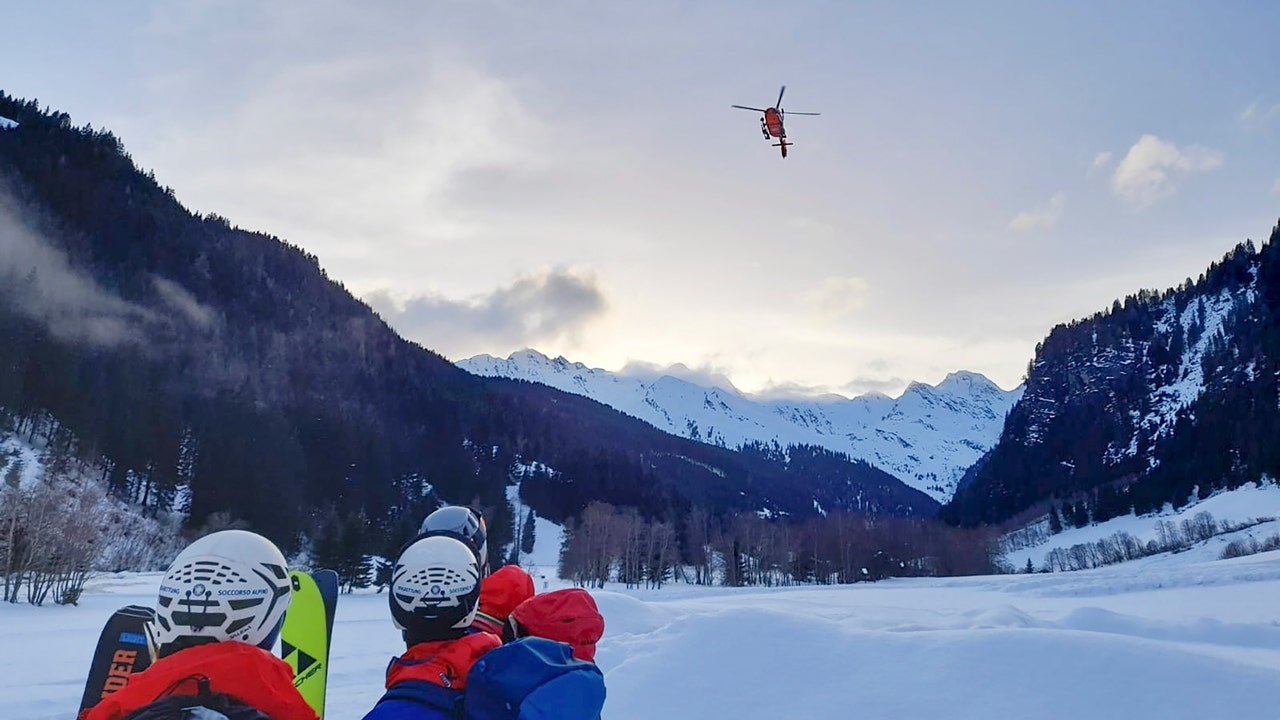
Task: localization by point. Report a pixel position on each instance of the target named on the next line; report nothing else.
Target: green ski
(308, 625)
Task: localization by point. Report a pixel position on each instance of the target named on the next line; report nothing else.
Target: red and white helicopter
(771, 123)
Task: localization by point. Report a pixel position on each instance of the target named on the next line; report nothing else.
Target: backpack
(203, 706)
(533, 679)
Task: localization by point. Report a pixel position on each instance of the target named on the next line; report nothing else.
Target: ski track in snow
(1165, 637)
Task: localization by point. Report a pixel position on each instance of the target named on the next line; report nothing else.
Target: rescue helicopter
(771, 123)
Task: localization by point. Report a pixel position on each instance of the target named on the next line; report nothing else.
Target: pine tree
(382, 572)
(526, 533)
(355, 567)
(339, 546)
(1080, 514)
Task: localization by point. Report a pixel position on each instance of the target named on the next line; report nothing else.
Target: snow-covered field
(1165, 637)
(1245, 505)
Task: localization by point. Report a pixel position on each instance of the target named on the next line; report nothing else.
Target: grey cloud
(790, 391)
(864, 385)
(534, 308)
(46, 288)
(853, 388)
(1259, 114)
(179, 299)
(703, 375)
(1040, 218)
(1153, 169)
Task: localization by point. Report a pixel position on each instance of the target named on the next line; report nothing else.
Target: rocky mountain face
(926, 438)
(1166, 395)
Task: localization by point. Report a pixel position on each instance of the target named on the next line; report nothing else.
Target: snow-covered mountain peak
(974, 383)
(927, 437)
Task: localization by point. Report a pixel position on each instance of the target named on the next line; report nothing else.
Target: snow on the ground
(548, 538)
(19, 457)
(544, 562)
(1164, 637)
(7, 124)
(1246, 504)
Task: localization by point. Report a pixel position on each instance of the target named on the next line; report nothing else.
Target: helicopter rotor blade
(744, 107)
(800, 113)
(779, 103)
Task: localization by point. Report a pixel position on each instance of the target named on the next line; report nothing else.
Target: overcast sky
(569, 176)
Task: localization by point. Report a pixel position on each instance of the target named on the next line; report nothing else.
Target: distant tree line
(1250, 546)
(1035, 526)
(1122, 546)
(609, 544)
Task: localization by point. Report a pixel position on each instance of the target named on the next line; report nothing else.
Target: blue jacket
(417, 700)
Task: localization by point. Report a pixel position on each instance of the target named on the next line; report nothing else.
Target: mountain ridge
(927, 437)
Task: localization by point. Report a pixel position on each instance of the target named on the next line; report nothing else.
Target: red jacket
(567, 616)
(500, 593)
(427, 682)
(250, 674)
(443, 662)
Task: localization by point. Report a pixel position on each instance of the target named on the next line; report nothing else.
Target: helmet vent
(199, 620)
(207, 571)
(437, 575)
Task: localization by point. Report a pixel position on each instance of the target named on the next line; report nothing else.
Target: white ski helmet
(228, 585)
(435, 589)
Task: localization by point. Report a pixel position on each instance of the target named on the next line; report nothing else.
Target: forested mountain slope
(1165, 395)
(190, 358)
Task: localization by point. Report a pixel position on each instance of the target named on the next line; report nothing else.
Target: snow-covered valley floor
(1172, 636)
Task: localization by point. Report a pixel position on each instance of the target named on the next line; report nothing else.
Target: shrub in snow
(56, 531)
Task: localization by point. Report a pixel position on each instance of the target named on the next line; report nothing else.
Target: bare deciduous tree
(57, 531)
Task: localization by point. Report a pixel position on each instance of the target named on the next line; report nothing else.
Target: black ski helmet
(435, 589)
(463, 523)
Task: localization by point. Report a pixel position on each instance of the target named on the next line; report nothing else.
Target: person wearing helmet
(435, 590)
(500, 593)
(546, 666)
(569, 616)
(464, 524)
(220, 608)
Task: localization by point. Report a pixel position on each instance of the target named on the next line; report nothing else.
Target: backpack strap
(216, 706)
(203, 705)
